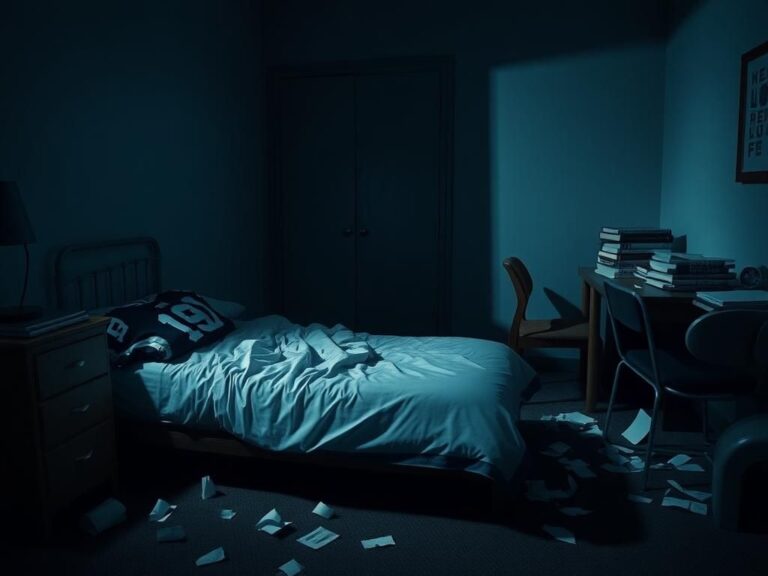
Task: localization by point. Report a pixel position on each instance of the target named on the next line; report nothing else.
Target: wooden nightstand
(57, 425)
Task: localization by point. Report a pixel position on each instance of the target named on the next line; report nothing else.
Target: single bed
(272, 388)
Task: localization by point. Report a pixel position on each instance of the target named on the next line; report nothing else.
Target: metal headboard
(95, 275)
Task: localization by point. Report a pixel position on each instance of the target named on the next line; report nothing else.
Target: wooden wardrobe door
(316, 191)
(399, 200)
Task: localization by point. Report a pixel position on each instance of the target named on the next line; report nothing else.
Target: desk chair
(552, 333)
(711, 373)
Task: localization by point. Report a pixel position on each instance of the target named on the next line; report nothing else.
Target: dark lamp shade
(15, 227)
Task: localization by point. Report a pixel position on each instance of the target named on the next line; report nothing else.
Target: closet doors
(360, 182)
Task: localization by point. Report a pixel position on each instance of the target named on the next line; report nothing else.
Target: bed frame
(97, 275)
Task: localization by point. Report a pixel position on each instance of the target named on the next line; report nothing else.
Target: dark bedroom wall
(700, 197)
(136, 118)
(558, 119)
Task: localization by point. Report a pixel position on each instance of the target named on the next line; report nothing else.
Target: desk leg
(593, 350)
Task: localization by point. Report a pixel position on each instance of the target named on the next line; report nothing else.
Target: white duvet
(434, 401)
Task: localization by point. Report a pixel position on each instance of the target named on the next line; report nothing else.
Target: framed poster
(752, 153)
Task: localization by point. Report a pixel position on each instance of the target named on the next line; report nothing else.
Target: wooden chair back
(521, 280)
(729, 338)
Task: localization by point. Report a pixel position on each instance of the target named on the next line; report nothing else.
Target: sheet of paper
(576, 418)
(690, 505)
(636, 463)
(215, 555)
(578, 467)
(574, 511)
(227, 514)
(272, 523)
(560, 533)
(593, 431)
(613, 455)
(679, 460)
(324, 510)
(638, 499)
(171, 534)
(291, 568)
(379, 542)
(639, 428)
(695, 494)
(690, 467)
(208, 488)
(621, 448)
(556, 449)
(162, 511)
(318, 538)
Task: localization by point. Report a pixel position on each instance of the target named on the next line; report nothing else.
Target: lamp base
(12, 314)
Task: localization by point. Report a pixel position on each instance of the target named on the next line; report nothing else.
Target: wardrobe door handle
(347, 232)
(364, 232)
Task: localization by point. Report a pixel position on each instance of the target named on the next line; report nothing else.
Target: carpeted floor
(439, 527)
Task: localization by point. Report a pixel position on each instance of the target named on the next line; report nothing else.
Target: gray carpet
(439, 527)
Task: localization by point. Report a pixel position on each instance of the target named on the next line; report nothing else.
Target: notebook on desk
(734, 299)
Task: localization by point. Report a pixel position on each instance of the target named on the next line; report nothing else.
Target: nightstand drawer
(66, 367)
(80, 464)
(75, 410)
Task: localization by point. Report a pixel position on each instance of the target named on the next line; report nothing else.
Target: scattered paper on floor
(691, 467)
(379, 542)
(171, 534)
(690, 505)
(215, 555)
(272, 523)
(208, 488)
(639, 428)
(318, 538)
(162, 511)
(679, 460)
(578, 467)
(639, 499)
(636, 463)
(556, 449)
(613, 455)
(560, 533)
(227, 514)
(291, 568)
(324, 510)
(695, 494)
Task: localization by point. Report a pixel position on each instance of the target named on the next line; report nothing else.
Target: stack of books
(622, 250)
(687, 272)
(39, 326)
(730, 299)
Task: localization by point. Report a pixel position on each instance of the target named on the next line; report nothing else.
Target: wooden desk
(671, 306)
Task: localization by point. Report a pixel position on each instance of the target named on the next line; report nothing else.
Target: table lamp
(15, 229)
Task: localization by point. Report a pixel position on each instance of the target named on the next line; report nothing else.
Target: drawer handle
(81, 409)
(76, 364)
(84, 457)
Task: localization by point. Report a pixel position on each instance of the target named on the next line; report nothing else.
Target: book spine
(636, 246)
(700, 268)
(636, 238)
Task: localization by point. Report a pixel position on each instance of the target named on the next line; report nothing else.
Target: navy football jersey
(169, 325)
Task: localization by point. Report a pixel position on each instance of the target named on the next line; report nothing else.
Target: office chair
(711, 369)
(550, 333)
